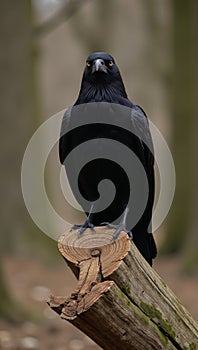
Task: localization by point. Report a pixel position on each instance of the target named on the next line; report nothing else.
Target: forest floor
(31, 282)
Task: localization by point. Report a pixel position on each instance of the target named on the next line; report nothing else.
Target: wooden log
(120, 301)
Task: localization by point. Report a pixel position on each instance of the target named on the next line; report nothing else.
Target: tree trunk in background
(19, 118)
(20, 112)
(183, 124)
(17, 112)
(190, 252)
(16, 121)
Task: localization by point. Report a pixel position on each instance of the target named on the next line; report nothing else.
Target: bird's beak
(99, 66)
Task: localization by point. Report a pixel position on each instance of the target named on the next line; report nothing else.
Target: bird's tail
(145, 243)
(152, 246)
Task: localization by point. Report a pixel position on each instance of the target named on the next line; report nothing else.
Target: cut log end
(97, 257)
(95, 245)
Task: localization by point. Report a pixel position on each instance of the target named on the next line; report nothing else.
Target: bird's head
(101, 79)
(101, 67)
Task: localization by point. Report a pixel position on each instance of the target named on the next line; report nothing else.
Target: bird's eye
(110, 63)
(88, 64)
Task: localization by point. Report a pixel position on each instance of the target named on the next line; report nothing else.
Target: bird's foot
(118, 229)
(82, 228)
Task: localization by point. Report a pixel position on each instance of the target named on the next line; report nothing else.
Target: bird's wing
(63, 137)
(140, 125)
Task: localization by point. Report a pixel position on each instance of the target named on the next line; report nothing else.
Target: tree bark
(120, 302)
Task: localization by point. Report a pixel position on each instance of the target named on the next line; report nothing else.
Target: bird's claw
(83, 228)
(108, 225)
(118, 230)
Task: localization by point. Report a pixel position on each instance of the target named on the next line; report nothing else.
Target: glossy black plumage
(102, 82)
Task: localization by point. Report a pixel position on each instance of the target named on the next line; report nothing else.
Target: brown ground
(32, 281)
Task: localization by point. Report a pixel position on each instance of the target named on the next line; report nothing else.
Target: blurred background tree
(20, 116)
(17, 115)
(181, 235)
(44, 44)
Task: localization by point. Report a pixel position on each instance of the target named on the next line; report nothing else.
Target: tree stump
(120, 302)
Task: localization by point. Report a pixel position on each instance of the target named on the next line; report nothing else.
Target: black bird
(101, 88)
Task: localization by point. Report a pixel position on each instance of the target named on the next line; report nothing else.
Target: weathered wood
(151, 294)
(120, 301)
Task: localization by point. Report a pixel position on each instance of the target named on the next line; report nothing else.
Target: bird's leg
(87, 223)
(120, 227)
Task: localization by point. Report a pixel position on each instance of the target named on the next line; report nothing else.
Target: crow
(103, 95)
